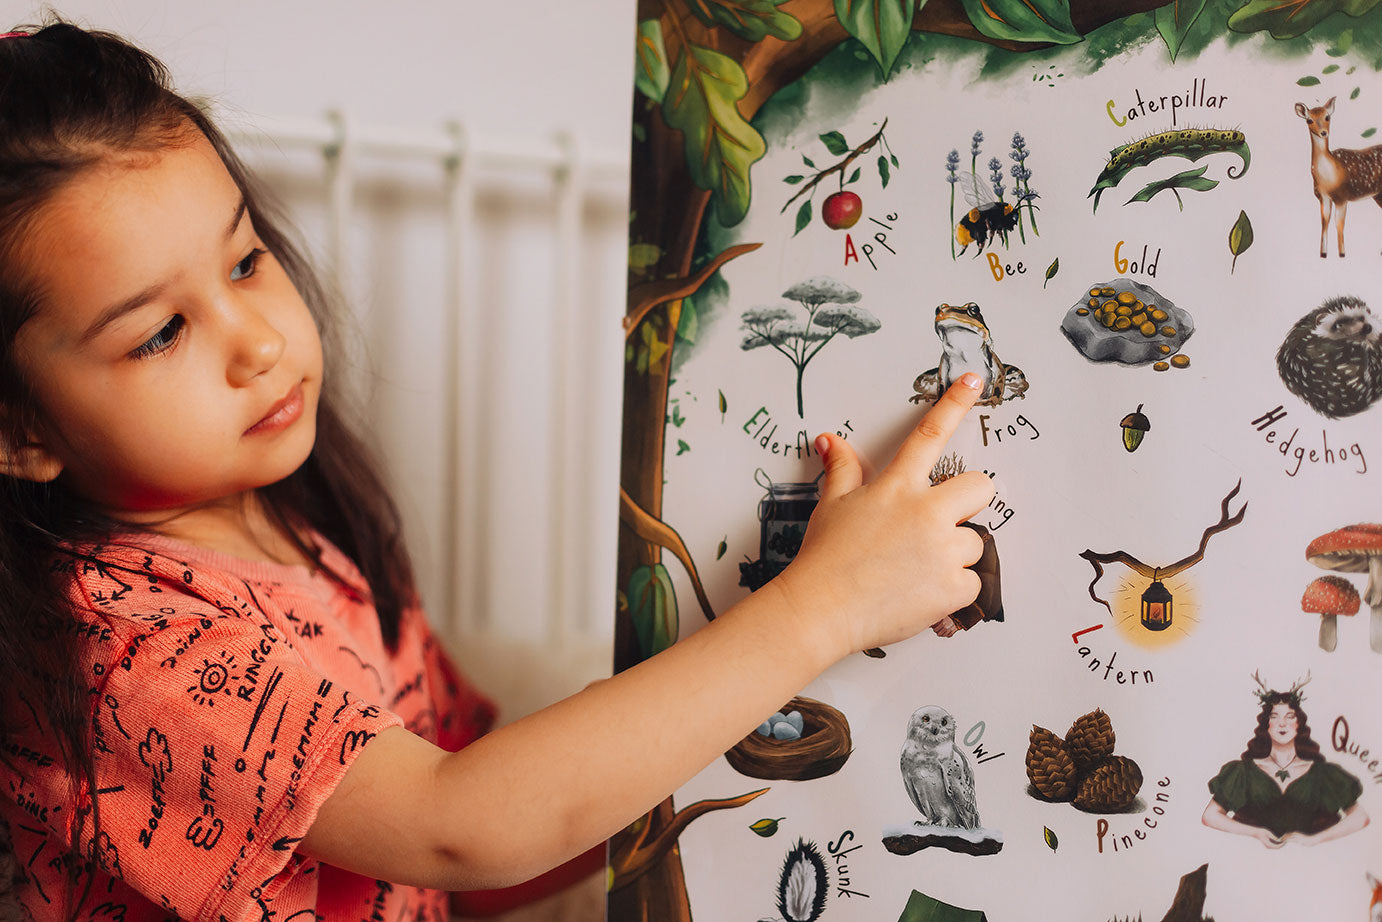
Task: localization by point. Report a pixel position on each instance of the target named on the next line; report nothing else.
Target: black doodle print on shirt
(155, 755)
(214, 679)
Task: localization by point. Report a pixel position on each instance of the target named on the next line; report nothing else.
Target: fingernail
(970, 380)
(822, 445)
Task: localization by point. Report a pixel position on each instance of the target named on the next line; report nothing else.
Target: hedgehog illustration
(1332, 358)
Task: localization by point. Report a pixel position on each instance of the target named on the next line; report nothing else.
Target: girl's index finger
(922, 448)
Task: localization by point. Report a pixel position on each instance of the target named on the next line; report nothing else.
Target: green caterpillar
(1190, 143)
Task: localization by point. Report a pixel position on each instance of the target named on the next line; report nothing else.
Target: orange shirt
(229, 697)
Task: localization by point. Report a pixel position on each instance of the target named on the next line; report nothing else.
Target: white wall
(513, 75)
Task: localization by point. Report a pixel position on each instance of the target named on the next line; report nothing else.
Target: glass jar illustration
(782, 516)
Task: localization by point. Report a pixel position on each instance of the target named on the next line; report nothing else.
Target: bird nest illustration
(822, 750)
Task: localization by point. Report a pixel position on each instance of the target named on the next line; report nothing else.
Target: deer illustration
(1375, 909)
(1340, 176)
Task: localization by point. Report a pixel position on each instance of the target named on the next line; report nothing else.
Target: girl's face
(164, 334)
(1282, 724)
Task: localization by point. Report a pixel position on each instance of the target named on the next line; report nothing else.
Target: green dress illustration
(1311, 803)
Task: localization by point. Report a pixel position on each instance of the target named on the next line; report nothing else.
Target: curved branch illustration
(645, 297)
(1224, 524)
(839, 167)
(658, 532)
(627, 865)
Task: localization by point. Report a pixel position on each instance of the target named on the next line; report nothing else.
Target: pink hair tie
(15, 35)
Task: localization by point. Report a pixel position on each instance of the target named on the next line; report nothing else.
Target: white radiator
(487, 277)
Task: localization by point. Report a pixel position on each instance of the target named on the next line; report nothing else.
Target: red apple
(841, 210)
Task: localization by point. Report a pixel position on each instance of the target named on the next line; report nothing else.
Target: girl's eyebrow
(136, 301)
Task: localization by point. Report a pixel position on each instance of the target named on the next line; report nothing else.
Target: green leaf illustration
(793, 180)
(1023, 20)
(808, 161)
(1290, 19)
(1356, 91)
(1051, 841)
(1329, 69)
(652, 608)
(854, 177)
(749, 19)
(1239, 238)
(1310, 80)
(724, 546)
(1191, 179)
(689, 324)
(881, 25)
(766, 827)
(682, 448)
(652, 73)
(883, 173)
(720, 145)
(724, 407)
(1369, 132)
(803, 216)
(1051, 270)
(1341, 45)
(1174, 21)
(835, 143)
(643, 255)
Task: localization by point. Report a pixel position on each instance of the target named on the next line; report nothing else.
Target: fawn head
(1317, 118)
(1375, 909)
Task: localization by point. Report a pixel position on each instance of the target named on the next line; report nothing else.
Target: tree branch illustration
(1225, 522)
(656, 531)
(837, 168)
(628, 865)
(645, 297)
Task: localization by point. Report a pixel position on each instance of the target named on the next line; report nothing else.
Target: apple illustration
(841, 210)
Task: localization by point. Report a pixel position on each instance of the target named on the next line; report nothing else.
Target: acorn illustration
(1090, 739)
(1049, 765)
(1135, 426)
(1111, 786)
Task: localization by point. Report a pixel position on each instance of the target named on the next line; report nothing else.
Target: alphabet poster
(1129, 218)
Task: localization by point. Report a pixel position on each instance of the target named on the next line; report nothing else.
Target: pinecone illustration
(1049, 766)
(1090, 739)
(1111, 786)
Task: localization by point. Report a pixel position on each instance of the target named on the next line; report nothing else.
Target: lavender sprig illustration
(952, 165)
(1022, 187)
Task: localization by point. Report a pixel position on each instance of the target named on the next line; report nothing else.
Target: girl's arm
(879, 563)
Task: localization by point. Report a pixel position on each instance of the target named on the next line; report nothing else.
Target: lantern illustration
(1156, 605)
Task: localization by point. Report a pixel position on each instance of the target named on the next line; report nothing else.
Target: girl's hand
(885, 560)
(1269, 840)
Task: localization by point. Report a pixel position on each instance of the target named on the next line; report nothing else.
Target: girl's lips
(282, 414)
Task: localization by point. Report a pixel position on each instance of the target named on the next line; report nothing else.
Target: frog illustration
(968, 346)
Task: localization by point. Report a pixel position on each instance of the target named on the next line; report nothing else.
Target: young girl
(221, 700)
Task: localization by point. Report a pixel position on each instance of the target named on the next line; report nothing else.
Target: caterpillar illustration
(1190, 143)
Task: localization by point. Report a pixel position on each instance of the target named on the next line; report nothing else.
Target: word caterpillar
(1190, 143)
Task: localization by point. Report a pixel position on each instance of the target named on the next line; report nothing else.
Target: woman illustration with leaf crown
(1281, 789)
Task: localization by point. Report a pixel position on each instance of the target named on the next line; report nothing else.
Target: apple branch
(839, 167)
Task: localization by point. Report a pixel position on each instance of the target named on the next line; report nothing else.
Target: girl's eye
(245, 267)
(160, 341)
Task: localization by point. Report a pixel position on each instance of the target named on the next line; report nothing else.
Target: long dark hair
(68, 99)
(1260, 746)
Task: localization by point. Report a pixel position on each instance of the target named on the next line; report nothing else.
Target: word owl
(1332, 358)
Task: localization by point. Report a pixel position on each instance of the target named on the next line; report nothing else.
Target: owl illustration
(1332, 358)
(935, 773)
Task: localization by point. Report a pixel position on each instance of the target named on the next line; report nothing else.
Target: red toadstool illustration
(1329, 597)
(1355, 549)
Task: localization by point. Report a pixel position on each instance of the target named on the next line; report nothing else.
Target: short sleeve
(1229, 788)
(1338, 790)
(216, 744)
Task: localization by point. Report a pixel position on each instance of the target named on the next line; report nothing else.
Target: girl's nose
(255, 345)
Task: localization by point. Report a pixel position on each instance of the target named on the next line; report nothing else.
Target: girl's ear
(30, 460)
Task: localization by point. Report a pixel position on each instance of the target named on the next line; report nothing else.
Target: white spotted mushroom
(1355, 549)
(1329, 597)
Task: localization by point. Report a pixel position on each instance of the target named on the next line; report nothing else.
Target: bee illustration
(987, 219)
